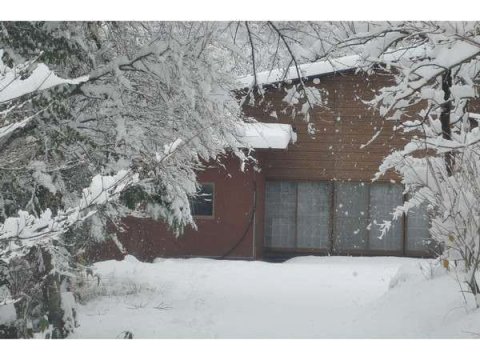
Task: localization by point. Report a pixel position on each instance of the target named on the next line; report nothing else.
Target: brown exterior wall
(334, 152)
(229, 233)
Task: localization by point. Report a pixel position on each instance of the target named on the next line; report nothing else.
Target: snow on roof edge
(324, 67)
(310, 69)
(260, 135)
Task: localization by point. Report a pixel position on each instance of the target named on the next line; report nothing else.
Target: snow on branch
(124, 63)
(26, 227)
(12, 86)
(8, 129)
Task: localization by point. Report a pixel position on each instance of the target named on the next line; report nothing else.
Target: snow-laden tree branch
(96, 99)
(27, 228)
(435, 69)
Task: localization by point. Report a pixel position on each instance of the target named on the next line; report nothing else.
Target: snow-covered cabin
(314, 193)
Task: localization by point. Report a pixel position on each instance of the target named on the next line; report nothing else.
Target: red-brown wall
(342, 126)
(229, 233)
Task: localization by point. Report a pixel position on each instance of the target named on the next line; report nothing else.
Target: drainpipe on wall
(254, 228)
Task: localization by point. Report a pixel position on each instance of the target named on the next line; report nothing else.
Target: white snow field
(306, 297)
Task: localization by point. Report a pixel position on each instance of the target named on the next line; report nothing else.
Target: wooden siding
(335, 151)
(231, 232)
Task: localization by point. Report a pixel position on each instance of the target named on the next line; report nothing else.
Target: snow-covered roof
(307, 70)
(329, 66)
(475, 116)
(266, 136)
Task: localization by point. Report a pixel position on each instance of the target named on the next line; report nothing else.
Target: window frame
(333, 249)
(429, 249)
(321, 250)
(206, 217)
(400, 222)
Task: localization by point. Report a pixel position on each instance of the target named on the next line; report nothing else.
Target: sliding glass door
(341, 217)
(297, 215)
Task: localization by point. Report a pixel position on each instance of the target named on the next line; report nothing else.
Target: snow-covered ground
(306, 297)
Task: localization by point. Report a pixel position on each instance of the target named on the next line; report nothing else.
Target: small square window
(202, 204)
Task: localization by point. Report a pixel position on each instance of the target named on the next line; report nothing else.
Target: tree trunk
(445, 118)
(52, 298)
